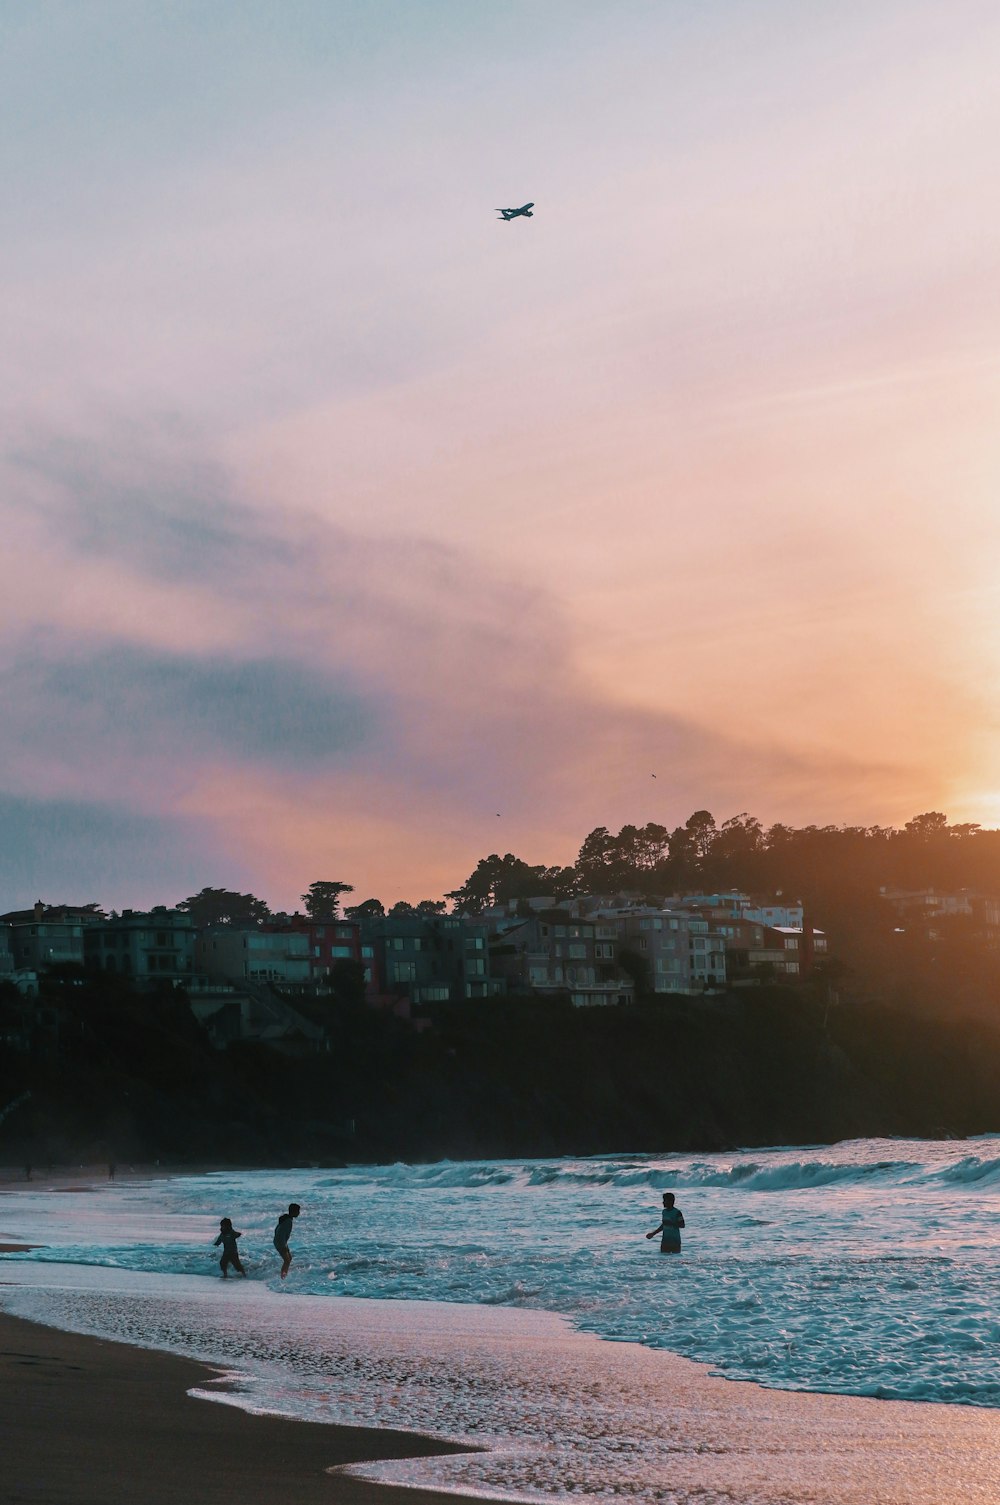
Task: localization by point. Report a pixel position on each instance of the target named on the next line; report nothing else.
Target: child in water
(671, 1223)
(282, 1233)
(230, 1254)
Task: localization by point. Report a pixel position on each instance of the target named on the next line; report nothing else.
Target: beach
(92, 1422)
(87, 1422)
(441, 1364)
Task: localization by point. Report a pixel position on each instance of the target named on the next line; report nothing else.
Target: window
(578, 950)
(475, 943)
(368, 952)
(603, 950)
(404, 971)
(791, 943)
(341, 951)
(475, 966)
(432, 994)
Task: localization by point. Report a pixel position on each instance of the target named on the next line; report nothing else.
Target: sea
(508, 1304)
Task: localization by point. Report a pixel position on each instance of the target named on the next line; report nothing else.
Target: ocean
(517, 1304)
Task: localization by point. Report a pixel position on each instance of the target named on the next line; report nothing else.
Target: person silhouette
(230, 1254)
(671, 1223)
(282, 1233)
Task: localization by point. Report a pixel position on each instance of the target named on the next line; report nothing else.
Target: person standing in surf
(671, 1223)
(230, 1254)
(283, 1232)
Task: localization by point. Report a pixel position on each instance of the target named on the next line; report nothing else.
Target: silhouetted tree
(347, 981)
(223, 906)
(627, 860)
(499, 879)
(368, 909)
(322, 900)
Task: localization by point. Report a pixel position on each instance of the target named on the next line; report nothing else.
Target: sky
(350, 533)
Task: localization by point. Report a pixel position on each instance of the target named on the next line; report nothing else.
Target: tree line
(821, 865)
(817, 864)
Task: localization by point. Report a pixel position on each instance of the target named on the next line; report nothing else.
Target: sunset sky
(340, 518)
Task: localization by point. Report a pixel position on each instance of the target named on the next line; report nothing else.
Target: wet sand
(87, 1422)
(92, 1422)
(83, 1178)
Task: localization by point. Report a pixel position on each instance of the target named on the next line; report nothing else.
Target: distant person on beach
(671, 1223)
(230, 1254)
(283, 1232)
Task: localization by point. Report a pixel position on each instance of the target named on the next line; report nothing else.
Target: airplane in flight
(525, 209)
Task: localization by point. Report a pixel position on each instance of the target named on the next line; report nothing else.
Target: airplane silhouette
(525, 210)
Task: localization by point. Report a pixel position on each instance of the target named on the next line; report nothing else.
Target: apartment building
(255, 955)
(557, 952)
(47, 936)
(427, 959)
(149, 947)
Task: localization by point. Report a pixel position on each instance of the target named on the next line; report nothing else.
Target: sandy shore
(86, 1422)
(92, 1422)
(84, 1178)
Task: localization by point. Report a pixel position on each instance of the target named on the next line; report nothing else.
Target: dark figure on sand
(671, 1223)
(230, 1254)
(283, 1232)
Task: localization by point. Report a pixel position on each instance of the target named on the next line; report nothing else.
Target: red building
(330, 941)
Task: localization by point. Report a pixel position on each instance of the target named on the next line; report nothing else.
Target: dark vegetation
(898, 1033)
(132, 1077)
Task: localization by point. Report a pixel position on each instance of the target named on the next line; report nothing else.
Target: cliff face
(135, 1079)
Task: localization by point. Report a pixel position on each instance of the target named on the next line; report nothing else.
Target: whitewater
(869, 1268)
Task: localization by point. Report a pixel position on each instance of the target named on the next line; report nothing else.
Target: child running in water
(671, 1223)
(230, 1254)
(283, 1232)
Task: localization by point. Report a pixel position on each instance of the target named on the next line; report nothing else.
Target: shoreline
(564, 1412)
(89, 1421)
(88, 1177)
(93, 1420)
